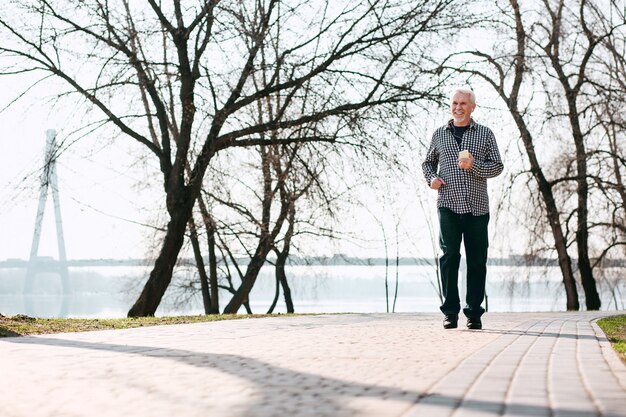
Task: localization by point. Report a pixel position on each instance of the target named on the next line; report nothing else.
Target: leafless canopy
(177, 77)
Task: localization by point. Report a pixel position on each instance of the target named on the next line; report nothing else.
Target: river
(108, 292)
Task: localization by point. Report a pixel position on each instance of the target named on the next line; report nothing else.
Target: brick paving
(400, 365)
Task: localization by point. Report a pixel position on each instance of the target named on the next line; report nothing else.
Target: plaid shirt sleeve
(429, 167)
(490, 165)
(464, 191)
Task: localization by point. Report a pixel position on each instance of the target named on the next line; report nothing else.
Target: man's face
(461, 109)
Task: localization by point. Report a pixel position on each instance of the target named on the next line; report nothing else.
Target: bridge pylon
(49, 184)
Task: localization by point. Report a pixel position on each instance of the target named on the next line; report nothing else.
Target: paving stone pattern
(400, 365)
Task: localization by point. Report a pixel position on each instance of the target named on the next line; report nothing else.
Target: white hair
(465, 91)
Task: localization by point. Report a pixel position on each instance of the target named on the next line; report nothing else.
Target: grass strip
(615, 329)
(21, 325)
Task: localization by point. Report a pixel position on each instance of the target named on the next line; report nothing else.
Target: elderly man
(461, 156)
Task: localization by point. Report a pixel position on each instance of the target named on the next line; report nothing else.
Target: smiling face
(461, 108)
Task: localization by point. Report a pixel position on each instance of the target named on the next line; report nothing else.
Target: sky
(98, 203)
(102, 207)
(104, 210)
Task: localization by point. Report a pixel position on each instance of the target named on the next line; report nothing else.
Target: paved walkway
(402, 365)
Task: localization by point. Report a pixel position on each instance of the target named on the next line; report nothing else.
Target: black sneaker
(451, 321)
(474, 324)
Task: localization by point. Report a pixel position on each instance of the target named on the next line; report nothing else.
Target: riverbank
(21, 325)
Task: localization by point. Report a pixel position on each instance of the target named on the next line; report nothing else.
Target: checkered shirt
(465, 191)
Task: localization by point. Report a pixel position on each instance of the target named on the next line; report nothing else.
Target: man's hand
(466, 160)
(436, 183)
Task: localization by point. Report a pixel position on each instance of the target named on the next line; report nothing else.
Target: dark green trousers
(472, 230)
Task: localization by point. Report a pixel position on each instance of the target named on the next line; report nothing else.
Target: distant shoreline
(513, 260)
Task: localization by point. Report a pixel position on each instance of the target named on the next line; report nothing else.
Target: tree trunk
(161, 274)
(204, 281)
(209, 223)
(565, 262)
(246, 305)
(276, 295)
(215, 304)
(281, 277)
(552, 213)
(592, 299)
(252, 272)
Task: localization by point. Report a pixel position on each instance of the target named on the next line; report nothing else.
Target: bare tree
(557, 46)
(569, 59)
(608, 158)
(206, 53)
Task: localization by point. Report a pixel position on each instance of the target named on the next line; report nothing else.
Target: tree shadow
(329, 395)
(541, 334)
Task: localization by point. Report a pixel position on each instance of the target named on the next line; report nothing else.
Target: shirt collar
(472, 125)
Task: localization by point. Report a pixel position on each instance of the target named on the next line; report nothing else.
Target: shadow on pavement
(329, 396)
(541, 334)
